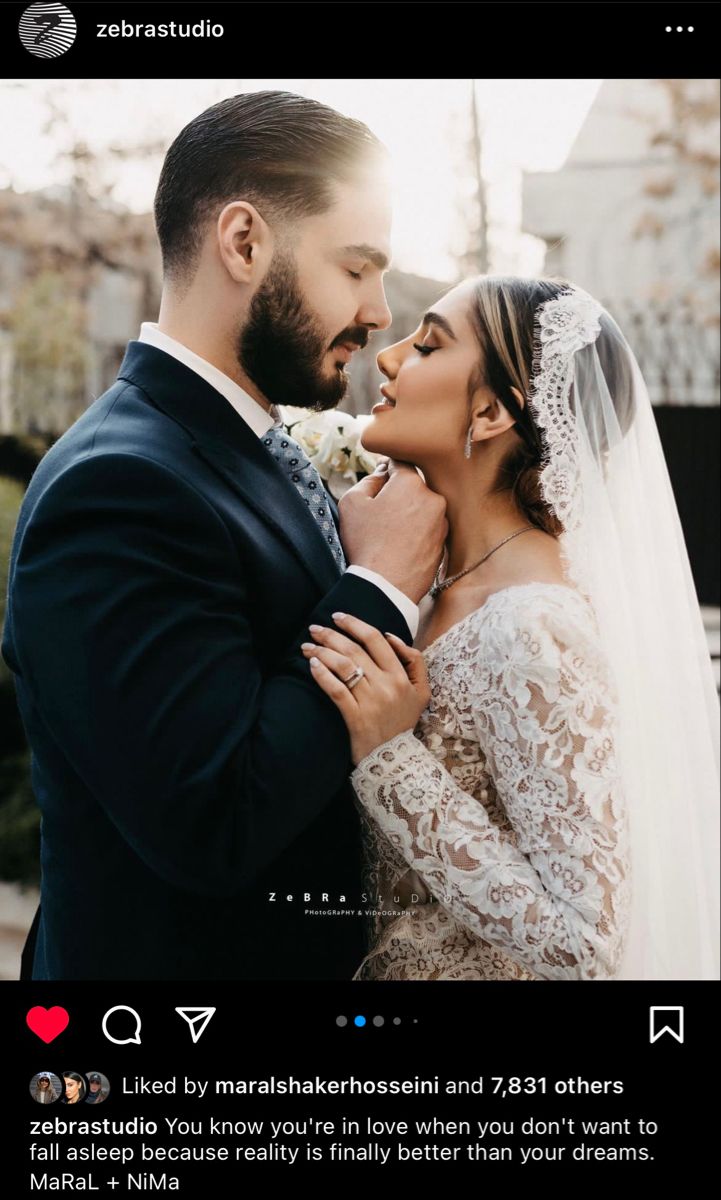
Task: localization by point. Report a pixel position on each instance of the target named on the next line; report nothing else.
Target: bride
(538, 777)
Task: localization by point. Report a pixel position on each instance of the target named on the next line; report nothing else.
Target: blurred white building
(633, 217)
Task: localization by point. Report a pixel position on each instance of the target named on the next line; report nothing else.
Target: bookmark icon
(673, 1025)
(197, 1019)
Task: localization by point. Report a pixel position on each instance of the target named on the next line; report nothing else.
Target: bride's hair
(502, 313)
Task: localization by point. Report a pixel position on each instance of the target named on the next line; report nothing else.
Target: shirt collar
(252, 413)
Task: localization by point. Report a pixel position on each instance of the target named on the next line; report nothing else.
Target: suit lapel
(267, 490)
(227, 443)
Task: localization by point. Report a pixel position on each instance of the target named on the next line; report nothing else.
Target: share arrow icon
(197, 1019)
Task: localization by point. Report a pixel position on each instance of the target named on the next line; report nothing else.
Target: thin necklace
(440, 587)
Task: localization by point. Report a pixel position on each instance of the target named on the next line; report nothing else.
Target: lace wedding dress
(495, 834)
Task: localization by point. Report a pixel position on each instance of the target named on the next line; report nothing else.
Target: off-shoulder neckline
(515, 587)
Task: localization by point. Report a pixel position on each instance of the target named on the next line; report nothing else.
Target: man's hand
(392, 523)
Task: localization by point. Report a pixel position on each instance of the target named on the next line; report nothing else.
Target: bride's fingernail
(307, 646)
(315, 662)
(338, 616)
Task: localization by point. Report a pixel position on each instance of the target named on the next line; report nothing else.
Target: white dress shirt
(260, 421)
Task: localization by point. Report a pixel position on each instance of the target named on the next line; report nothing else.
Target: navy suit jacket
(163, 574)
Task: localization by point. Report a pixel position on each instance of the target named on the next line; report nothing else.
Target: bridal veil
(605, 478)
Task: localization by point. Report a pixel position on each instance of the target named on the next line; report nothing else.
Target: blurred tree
(76, 224)
(19, 815)
(473, 254)
(89, 171)
(11, 494)
(12, 740)
(49, 354)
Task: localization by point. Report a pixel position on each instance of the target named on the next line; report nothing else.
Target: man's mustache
(352, 337)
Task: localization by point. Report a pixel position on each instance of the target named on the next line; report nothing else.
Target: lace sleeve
(553, 893)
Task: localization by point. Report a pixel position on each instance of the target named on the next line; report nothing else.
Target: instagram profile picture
(47, 30)
(74, 1086)
(98, 1088)
(46, 1088)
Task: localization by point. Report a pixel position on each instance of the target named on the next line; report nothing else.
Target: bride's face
(428, 377)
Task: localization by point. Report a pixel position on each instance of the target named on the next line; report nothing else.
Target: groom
(173, 548)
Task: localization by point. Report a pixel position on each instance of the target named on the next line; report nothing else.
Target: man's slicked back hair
(279, 151)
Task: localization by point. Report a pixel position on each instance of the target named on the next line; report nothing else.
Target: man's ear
(244, 242)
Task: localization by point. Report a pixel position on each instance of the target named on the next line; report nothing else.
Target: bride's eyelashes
(425, 349)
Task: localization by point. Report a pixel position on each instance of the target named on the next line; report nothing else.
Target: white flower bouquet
(332, 442)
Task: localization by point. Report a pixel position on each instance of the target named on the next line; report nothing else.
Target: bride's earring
(467, 448)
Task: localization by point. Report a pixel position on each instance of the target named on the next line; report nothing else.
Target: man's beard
(282, 347)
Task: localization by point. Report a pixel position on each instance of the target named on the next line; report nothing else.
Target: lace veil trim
(562, 326)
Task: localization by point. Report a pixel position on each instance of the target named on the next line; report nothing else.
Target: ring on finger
(355, 678)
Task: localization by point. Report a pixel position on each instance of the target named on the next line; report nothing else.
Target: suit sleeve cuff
(403, 603)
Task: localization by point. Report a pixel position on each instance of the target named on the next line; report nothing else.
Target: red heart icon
(47, 1023)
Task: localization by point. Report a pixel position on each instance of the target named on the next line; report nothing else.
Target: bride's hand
(392, 693)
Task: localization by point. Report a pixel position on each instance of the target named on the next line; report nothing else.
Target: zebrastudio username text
(171, 29)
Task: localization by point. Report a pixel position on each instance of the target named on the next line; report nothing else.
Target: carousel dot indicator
(396, 1020)
(379, 1021)
(360, 1022)
(341, 1021)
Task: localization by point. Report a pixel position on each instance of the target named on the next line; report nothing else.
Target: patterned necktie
(289, 455)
